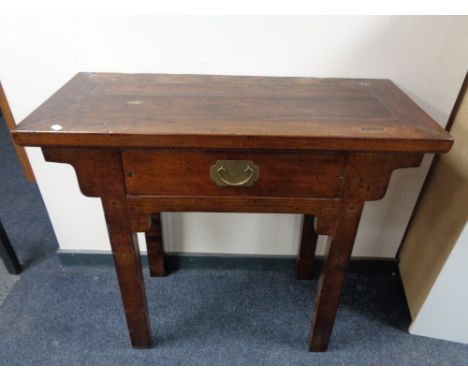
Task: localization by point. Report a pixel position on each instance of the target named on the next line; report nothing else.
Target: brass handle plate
(234, 173)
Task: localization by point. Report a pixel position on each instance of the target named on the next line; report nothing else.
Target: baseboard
(184, 260)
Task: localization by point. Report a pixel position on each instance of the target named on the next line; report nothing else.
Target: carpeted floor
(22, 213)
(71, 315)
(6, 282)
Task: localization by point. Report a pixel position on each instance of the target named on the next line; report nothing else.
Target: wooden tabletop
(200, 111)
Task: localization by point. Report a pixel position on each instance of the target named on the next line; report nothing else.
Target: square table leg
(127, 262)
(333, 275)
(155, 247)
(306, 256)
(100, 174)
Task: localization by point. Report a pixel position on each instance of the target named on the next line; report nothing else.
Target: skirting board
(176, 261)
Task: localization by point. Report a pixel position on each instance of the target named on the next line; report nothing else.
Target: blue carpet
(64, 315)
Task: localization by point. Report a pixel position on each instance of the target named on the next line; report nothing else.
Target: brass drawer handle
(234, 173)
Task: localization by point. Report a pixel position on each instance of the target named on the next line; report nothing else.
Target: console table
(148, 143)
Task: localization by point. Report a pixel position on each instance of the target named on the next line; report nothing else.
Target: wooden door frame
(11, 124)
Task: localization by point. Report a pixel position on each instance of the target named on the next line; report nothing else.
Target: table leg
(305, 258)
(333, 275)
(129, 273)
(155, 247)
(99, 173)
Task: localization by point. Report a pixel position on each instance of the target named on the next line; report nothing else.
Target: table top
(238, 112)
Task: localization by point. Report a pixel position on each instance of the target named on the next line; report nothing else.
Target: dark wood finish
(7, 253)
(100, 174)
(144, 144)
(367, 177)
(333, 275)
(305, 258)
(187, 172)
(155, 247)
(148, 110)
(11, 125)
(141, 207)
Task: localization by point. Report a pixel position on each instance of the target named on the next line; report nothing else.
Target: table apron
(142, 207)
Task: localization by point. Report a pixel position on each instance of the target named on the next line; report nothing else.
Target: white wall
(444, 312)
(426, 56)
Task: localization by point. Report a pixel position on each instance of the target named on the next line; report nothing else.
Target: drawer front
(221, 173)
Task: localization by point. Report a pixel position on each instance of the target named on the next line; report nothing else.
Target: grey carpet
(6, 282)
(72, 315)
(22, 212)
(21, 207)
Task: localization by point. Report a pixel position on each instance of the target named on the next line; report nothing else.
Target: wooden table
(148, 143)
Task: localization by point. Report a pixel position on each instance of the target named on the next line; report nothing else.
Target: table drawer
(222, 173)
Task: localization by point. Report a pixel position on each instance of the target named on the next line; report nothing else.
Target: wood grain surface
(157, 110)
(144, 144)
(182, 172)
